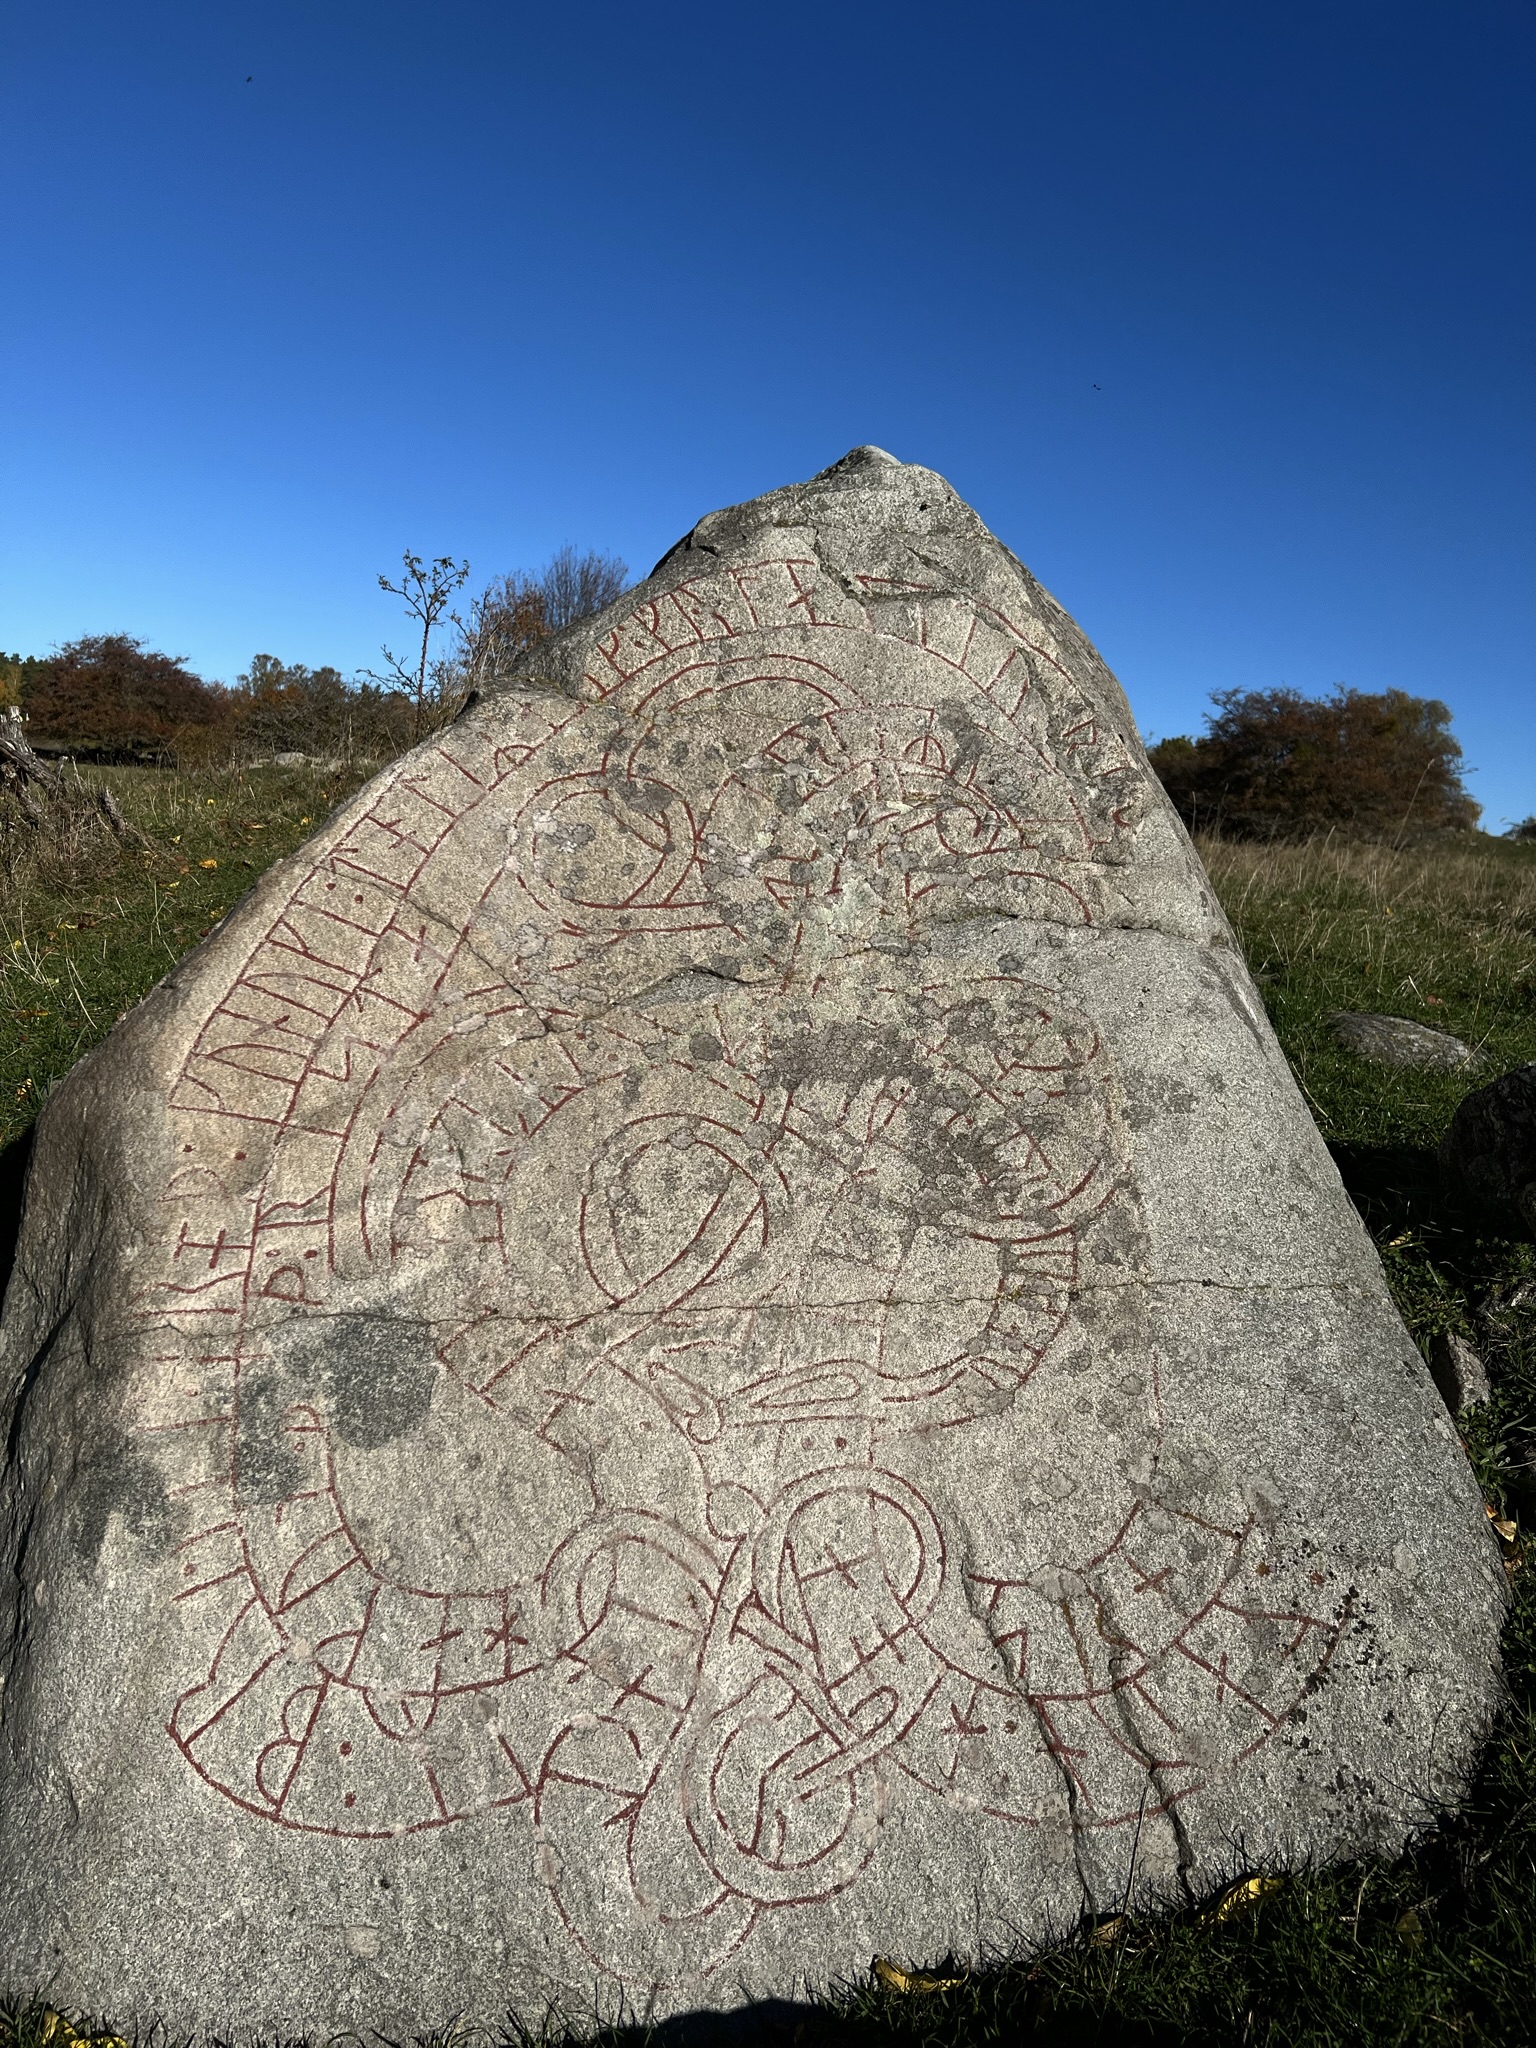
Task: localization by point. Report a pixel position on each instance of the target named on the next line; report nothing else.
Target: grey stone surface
(1458, 1371)
(707, 1339)
(1491, 1143)
(1399, 1042)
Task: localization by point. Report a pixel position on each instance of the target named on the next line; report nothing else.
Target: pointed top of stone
(865, 493)
(867, 457)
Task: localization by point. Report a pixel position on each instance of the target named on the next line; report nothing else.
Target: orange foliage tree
(107, 697)
(281, 707)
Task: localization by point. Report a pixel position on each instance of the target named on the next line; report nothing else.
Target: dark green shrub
(1274, 764)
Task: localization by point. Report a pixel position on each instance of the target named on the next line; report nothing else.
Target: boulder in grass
(708, 1339)
(1459, 1372)
(1399, 1042)
(1491, 1143)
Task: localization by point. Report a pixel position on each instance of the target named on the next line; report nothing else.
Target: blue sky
(1221, 315)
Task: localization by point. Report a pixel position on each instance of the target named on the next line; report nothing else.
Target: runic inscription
(601, 1236)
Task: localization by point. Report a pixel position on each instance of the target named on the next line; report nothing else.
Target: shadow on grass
(1399, 1188)
(775, 2023)
(15, 1158)
(991, 2006)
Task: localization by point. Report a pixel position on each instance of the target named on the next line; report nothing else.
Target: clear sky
(1220, 314)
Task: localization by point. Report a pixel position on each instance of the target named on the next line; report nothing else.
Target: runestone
(707, 1339)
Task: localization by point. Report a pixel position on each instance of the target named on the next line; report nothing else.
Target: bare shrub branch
(516, 611)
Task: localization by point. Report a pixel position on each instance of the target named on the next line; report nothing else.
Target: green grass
(1443, 933)
(88, 926)
(1437, 1947)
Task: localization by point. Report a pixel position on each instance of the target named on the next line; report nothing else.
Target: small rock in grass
(1458, 1371)
(1399, 1042)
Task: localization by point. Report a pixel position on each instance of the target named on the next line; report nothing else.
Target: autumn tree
(285, 707)
(17, 674)
(574, 587)
(1275, 764)
(107, 697)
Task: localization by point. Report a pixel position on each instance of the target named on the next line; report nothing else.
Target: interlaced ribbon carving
(611, 1260)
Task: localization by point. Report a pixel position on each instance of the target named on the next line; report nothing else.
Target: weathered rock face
(707, 1339)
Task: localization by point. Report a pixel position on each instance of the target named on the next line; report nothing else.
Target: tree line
(109, 697)
(1271, 764)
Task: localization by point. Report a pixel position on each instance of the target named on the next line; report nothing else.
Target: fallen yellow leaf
(914, 1983)
(57, 2028)
(207, 863)
(1243, 1897)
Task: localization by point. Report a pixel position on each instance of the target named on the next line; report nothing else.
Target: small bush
(1275, 765)
(50, 819)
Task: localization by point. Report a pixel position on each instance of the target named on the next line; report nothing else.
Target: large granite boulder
(710, 1337)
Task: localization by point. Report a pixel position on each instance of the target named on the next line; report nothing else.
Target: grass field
(88, 925)
(1438, 1947)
